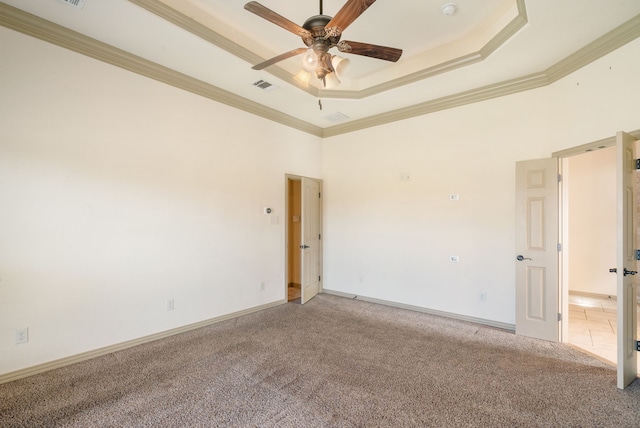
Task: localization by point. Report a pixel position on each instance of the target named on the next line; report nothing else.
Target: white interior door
(626, 261)
(310, 247)
(537, 227)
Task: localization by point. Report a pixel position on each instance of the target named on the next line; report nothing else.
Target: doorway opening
(303, 238)
(589, 229)
(294, 240)
(543, 272)
(589, 289)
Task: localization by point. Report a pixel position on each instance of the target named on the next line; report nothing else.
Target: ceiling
(485, 49)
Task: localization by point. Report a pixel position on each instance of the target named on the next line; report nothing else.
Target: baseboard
(600, 296)
(593, 295)
(51, 365)
(482, 321)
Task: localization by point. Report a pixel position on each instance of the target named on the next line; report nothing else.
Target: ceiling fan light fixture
(324, 67)
(340, 65)
(303, 77)
(331, 81)
(310, 60)
(320, 33)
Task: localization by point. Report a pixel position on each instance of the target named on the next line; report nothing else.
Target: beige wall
(119, 193)
(591, 211)
(391, 239)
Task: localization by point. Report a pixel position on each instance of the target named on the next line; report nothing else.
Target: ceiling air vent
(336, 117)
(74, 3)
(264, 85)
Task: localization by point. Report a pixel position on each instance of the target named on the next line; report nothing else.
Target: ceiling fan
(321, 33)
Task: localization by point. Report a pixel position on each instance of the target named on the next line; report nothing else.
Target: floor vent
(264, 85)
(75, 3)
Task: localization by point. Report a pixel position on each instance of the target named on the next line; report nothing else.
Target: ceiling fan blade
(271, 16)
(345, 16)
(279, 58)
(373, 51)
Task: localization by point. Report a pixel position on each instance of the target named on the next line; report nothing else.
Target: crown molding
(600, 47)
(456, 100)
(166, 12)
(503, 35)
(50, 32)
(42, 29)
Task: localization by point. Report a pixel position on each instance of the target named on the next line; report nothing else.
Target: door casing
(287, 233)
(563, 287)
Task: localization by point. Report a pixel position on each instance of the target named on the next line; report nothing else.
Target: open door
(310, 247)
(626, 261)
(537, 246)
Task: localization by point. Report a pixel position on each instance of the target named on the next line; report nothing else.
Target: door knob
(521, 258)
(304, 247)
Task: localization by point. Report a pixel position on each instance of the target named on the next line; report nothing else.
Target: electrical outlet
(454, 259)
(483, 297)
(170, 304)
(22, 335)
(262, 286)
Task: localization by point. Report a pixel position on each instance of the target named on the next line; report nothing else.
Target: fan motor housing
(314, 22)
(316, 26)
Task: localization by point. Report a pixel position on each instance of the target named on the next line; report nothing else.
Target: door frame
(295, 177)
(563, 283)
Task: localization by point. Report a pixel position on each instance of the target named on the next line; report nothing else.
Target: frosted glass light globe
(309, 60)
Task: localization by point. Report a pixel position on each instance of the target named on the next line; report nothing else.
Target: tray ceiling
(485, 49)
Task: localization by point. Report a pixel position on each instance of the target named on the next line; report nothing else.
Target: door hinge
(319, 236)
(319, 278)
(637, 345)
(559, 247)
(637, 254)
(637, 163)
(559, 178)
(319, 195)
(559, 317)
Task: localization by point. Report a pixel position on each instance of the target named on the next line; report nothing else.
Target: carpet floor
(333, 362)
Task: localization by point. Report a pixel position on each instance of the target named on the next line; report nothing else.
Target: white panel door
(310, 247)
(537, 293)
(626, 261)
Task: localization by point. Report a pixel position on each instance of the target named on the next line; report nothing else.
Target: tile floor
(592, 326)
